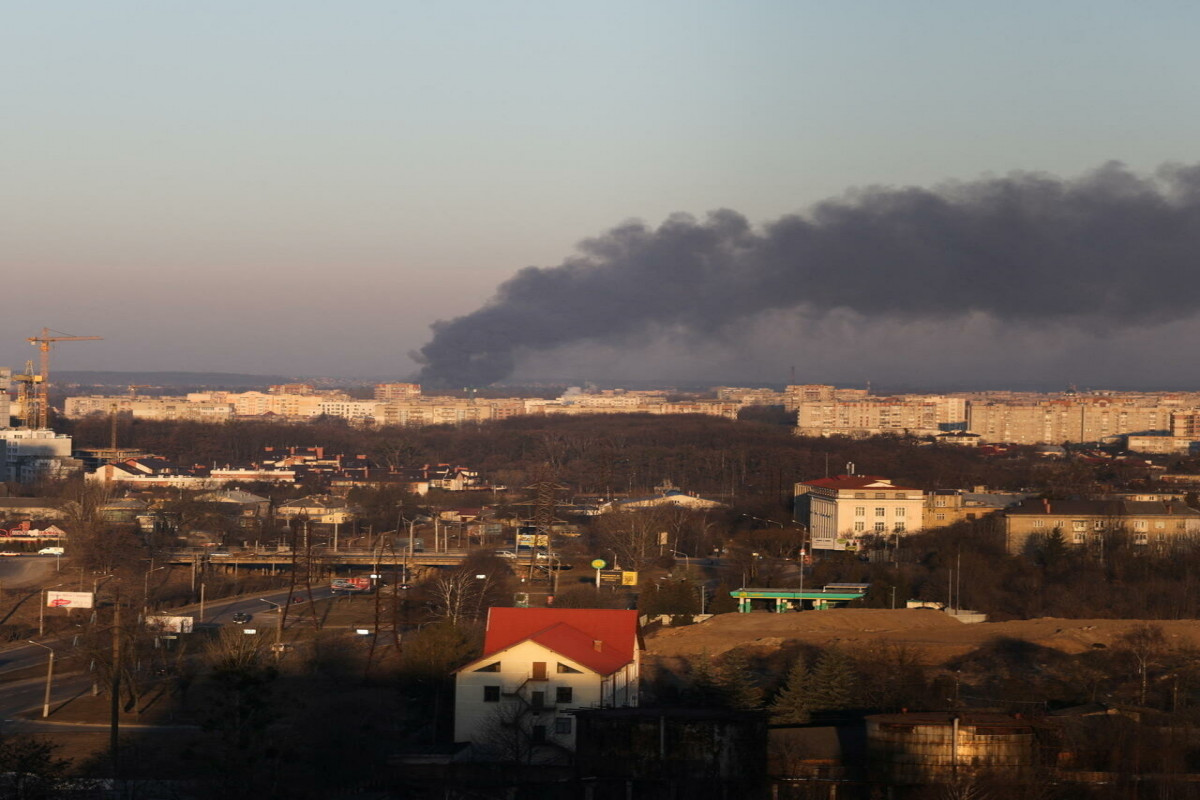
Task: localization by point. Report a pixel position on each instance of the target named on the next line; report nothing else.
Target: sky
(304, 188)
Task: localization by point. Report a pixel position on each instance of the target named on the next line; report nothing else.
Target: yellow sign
(629, 578)
(599, 563)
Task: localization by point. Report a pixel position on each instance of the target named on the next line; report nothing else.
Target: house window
(1039, 523)
(900, 512)
(939, 517)
(901, 496)
(1079, 525)
(562, 694)
(491, 694)
(1141, 538)
(562, 726)
(880, 512)
(899, 527)
(1080, 537)
(860, 511)
(860, 495)
(1098, 525)
(563, 669)
(880, 527)
(1139, 524)
(880, 496)
(860, 526)
(493, 667)
(1159, 524)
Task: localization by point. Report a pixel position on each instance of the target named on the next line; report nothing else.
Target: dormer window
(493, 667)
(564, 669)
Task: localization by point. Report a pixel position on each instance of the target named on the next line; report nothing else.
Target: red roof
(858, 482)
(570, 632)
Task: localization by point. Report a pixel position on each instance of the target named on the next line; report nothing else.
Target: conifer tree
(833, 682)
(704, 687)
(791, 706)
(737, 682)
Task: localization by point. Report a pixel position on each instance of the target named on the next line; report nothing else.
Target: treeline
(600, 454)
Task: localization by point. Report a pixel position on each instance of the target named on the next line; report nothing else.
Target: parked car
(9, 553)
(52, 551)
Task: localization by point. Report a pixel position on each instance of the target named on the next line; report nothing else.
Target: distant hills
(213, 380)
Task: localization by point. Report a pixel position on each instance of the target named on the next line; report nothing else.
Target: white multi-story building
(841, 511)
(537, 665)
(29, 454)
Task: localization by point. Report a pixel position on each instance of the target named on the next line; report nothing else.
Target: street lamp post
(146, 589)
(45, 597)
(49, 676)
(278, 627)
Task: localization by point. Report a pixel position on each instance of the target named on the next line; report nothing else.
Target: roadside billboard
(68, 599)
(170, 624)
(350, 584)
(525, 541)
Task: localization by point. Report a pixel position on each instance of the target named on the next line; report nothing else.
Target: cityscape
(600, 401)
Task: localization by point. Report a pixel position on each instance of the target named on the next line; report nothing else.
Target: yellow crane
(43, 343)
(26, 392)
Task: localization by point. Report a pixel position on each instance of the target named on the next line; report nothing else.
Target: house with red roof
(842, 511)
(515, 701)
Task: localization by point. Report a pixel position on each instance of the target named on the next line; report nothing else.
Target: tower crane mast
(43, 344)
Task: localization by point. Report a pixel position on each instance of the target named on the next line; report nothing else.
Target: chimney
(1046, 503)
(597, 644)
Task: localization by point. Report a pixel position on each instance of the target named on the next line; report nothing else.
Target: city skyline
(301, 190)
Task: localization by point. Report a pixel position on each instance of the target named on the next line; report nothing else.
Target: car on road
(9, 553)
(506, 554)
(241, 617)
(551, 556)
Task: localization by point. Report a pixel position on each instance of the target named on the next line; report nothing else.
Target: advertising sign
(350, 584)
(170, 624)
(617, 577)
(528, 540)
(68, 599)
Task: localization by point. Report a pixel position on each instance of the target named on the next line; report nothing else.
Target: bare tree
(459, 596)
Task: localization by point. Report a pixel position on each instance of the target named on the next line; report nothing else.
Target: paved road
(24, 694)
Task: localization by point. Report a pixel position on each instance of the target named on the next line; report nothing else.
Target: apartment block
(841, 511)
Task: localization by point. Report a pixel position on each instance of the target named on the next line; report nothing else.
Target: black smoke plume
(1110, 248)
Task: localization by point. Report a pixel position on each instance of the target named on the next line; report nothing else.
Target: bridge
(362, 559)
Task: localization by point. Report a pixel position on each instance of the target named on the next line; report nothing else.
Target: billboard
(616, 577)
(350, 584)
(527, 540)
(170, 624)
(68, 599)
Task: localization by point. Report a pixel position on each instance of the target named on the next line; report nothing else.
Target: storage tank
(931, 747)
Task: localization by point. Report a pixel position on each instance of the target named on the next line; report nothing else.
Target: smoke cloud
(1110, 250)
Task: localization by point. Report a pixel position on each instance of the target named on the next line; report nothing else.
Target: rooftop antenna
(849, 467)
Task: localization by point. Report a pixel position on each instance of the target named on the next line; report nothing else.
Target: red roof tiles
(570, 632)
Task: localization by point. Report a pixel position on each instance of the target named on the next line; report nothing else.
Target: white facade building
(538, 664)
(843, 510)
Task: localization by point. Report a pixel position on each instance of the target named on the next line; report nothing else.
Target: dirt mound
(935, 636)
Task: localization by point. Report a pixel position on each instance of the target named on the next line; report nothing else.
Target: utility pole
(115, 700)
(49, 676)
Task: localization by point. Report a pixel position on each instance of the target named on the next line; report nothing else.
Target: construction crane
(26, 392)
(43, 343)
(133, 387)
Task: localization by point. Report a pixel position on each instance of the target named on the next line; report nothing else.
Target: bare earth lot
(934, 635)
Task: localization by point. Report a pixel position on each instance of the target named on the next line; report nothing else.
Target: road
(26, 693)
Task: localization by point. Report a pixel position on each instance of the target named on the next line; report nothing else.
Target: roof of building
(1105, 508)
(844, 482)
(570, 632)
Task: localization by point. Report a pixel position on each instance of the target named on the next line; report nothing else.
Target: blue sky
(303, 187)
